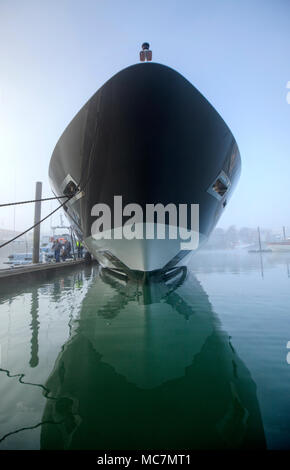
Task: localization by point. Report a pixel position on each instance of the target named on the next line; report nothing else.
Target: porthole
(220, 186)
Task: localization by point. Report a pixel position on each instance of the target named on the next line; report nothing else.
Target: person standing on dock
(68, 248)
(56, 247)
(80, 249)
(64, 252)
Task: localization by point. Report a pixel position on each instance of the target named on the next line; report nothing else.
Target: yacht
(146, 138)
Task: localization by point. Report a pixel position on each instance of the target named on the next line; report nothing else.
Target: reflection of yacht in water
(148, 367)
(149, 136)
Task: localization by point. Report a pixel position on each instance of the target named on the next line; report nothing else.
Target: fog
(55, 55)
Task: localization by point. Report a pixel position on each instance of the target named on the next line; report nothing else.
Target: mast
(259, 235)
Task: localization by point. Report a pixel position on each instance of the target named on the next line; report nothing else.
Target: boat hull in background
(280, 246)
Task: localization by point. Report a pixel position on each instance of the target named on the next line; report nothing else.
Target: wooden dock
(41, 271)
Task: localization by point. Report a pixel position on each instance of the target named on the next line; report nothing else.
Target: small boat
(260, 251)
(18, 259)
(283, 246)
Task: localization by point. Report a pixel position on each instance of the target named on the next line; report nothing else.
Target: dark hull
(151, 137)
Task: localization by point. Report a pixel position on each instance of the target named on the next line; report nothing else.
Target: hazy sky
(56, 54)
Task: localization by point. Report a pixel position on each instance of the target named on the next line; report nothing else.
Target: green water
(197, 361)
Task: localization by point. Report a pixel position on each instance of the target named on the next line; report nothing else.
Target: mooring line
(29, 428)
(46, 390)
(35, 225)
(31, 200)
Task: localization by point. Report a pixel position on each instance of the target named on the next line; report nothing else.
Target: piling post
(37, 216)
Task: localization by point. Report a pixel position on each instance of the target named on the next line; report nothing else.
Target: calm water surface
(197, 361)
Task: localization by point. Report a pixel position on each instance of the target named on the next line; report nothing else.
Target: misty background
(56, 54)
